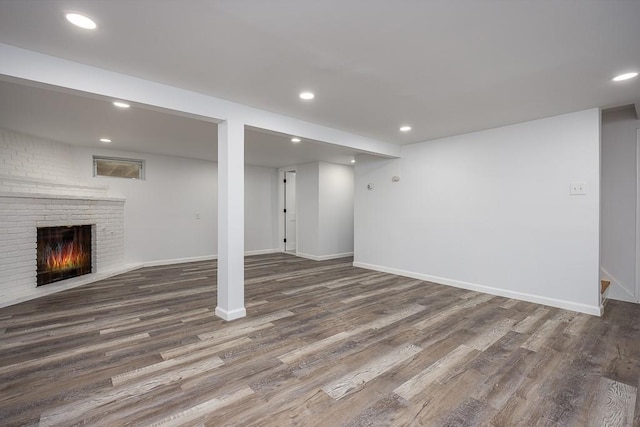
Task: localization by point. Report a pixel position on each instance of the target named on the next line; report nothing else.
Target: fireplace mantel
(59, 196)
(28, 185)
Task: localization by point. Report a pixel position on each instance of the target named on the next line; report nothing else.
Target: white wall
(261, 210)
(308, 199)
(20, 216)
(289, 217)
(619, 194)
(161, 212)
(490, 211)
(335, 209)
(40, 187)
(324, 194)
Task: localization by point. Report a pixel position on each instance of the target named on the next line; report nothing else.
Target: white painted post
(231, 220)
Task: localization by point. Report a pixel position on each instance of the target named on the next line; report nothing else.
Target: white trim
(261, 252)
(73, 283)
(567, 305)
(60, 196)
(281, 171)
(323, 257)
(139, 162)
(57, 184)
(179, 260)
(231, 315)
(636, 297)
(597, 288)
(202, 258)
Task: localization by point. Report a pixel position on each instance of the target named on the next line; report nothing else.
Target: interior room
(274, 213)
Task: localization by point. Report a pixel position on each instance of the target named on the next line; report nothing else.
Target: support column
(231, 220)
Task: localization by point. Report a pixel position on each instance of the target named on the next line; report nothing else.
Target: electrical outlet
(578, 189)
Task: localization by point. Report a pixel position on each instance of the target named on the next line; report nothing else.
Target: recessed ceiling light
(353, 160)
(121, 104)
(81, 21)
(625, 76)
(307, 95)
(405, 128)
(105, 140)
(296, 140)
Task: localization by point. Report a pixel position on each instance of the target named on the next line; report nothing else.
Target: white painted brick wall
(32, 165)
(39, 187)
(24, 155)
(21, 216)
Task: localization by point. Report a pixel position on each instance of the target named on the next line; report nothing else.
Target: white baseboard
(201, 258)
(323, 257)
(231, 314)
(261, 252)
(567, 305)
(179, 260)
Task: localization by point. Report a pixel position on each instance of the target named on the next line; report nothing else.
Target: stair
(604, 285)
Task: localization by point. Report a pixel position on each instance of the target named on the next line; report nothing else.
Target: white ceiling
(79, 119)
(445, 67)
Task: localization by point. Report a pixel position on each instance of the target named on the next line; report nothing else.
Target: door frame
(637, 288)
(281, 216)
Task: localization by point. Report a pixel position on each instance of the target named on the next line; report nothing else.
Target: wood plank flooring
(324, 344)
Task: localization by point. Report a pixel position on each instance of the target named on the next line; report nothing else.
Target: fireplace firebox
(63, 253)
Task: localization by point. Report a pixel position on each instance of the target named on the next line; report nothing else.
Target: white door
(290, 211)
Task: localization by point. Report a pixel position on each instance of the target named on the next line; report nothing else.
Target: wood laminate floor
(323, 344)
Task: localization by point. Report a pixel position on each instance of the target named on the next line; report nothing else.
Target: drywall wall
(172, 214)
(308, 208)
(324, 194)
(335, 215)
(490, 211)
(618, 207)
(261, 210)
(290, 224)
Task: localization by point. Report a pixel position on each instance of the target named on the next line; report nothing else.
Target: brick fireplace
(23, 214)
(41, 187)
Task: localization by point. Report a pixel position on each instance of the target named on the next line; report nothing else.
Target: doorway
(290, 225)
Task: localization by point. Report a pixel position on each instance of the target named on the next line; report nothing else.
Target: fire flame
(64, 256)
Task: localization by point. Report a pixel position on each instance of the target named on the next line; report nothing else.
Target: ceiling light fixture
(105, 140)
(625, 76)
(81, 21)
(121, 104)
(307, 95)
(353, 160)
(296, 140)
(405, 128)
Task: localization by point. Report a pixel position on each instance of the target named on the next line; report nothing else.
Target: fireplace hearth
(63, 253)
